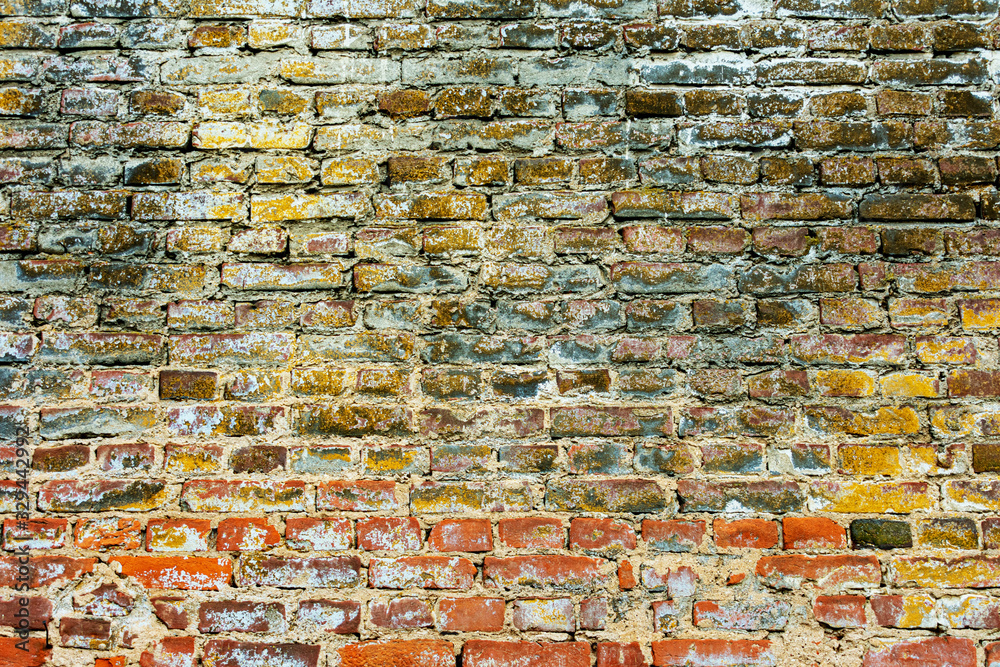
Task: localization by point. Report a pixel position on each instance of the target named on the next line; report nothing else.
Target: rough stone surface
(499, 333)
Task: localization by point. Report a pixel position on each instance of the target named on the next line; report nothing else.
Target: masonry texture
(500, 333)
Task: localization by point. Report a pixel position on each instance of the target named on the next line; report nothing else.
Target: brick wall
(500, 333)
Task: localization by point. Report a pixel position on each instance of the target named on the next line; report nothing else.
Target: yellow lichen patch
(884, 421)
(980, 314)
(444, 240)
(274, 135)
(945, 350)
(916, 612)
(350, 137)
(393, 460)
(869, 460)
(973, 572)
(219, 135)
(180, 459)
(515, 276)
(953, 421)
(838, 382)
(349, 171)
(971, 496)
(284, 169)
(224, 102)
(873, 497)
(906, 384)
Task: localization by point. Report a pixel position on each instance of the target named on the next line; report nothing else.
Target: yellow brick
(350, 171)
(342, 99)
(871, 497)
(924, 458)
(351, 137)
(975, 496)
(944, 350)
(25, 34)
(196, 239)
(851, 313)
(268, 34)
(220, 171)
(918, 312)
(869, 460)
(918, 611)
(505, 241)
(290, 136)
(385, 242)
(905, 384)
(277, 208)
(284, 169)
(845, 383)
(219, 135)
(224, 102)
(321, 381)
(980, 314)
(482, 171)
(953, 423)
(406, 37)
(884, 421)
(445, 240)
(974, 572)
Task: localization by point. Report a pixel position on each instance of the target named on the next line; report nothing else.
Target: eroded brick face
(500, 333)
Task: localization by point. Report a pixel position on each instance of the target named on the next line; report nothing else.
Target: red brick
(840, 611)
(401, 613)
(45, 570)
(171, 611)
(485, 653)
(309, 533)
(389, 534)
(399, 652)
(34, 533)
(626, 576)
(812, 533)
(601, 535)
(613, 654)
(711, 652)
(89, 633)
(430, 572)
(790, 572)
(170, 652)
(745, 533)
(532, 533)
(471, 614)
(36, 654)
(359, 496)
(555, 571)
(246, 535)
(39, 612)
(470, 535)
(177, 572)
(675, 535)
(335, 616)
(230, 653)
(929, 651)
(240, 616)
